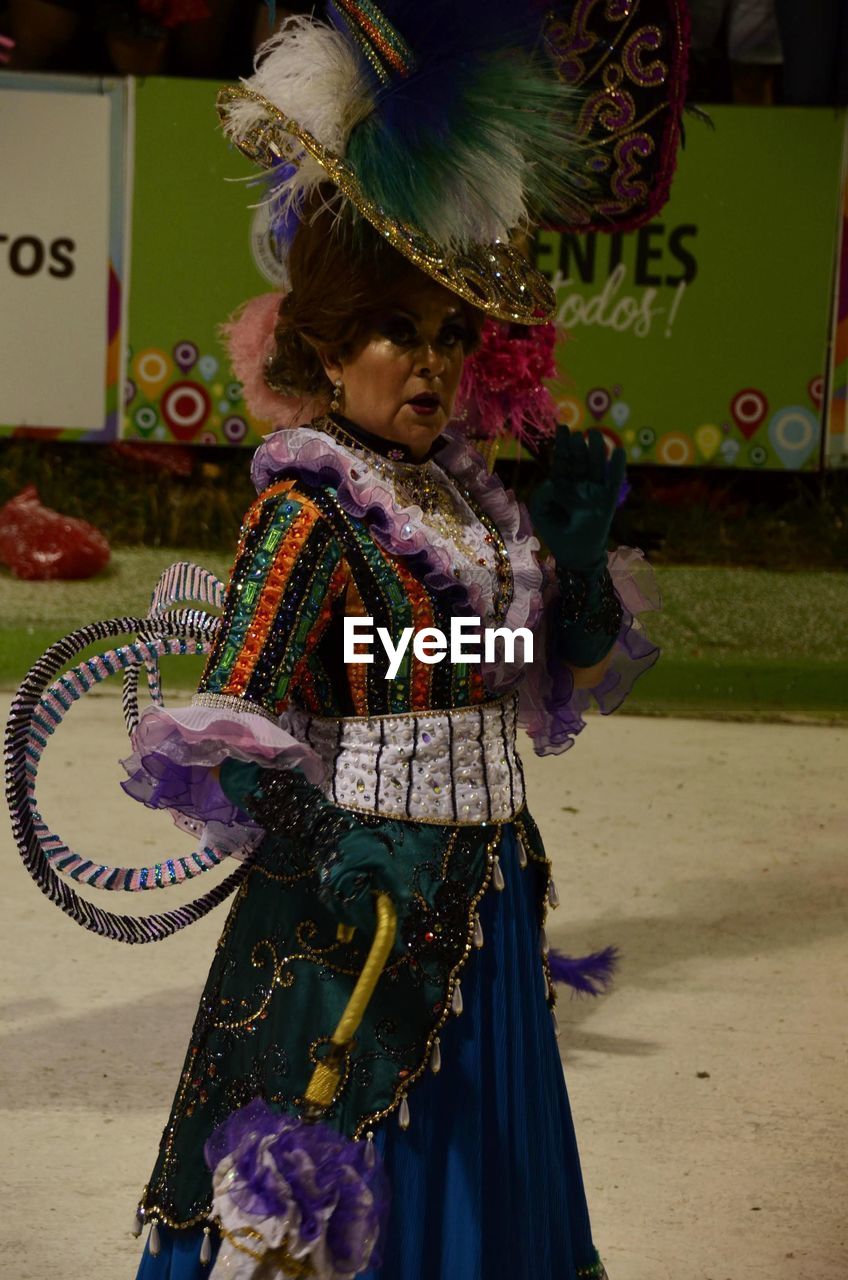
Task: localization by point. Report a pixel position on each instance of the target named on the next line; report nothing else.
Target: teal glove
(361, 865)
(354, 856)
(572, 509)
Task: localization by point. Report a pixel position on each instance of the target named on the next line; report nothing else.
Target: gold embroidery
(453, 978)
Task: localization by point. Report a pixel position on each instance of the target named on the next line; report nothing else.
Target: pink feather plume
(503, 387)
(248, 336)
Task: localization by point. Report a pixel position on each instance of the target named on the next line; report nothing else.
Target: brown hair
(343, 277)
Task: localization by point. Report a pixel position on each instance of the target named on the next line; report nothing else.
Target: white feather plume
(486, 185)
(313, 75)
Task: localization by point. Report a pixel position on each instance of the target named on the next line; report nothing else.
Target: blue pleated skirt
(486, 1181)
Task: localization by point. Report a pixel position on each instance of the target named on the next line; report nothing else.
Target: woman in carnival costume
(373, 1085)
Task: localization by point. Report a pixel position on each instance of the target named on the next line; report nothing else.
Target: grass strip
(736, 642)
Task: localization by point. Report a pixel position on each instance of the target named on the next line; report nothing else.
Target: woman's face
(402, 383)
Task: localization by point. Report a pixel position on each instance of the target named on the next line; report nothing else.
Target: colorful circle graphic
(234, 429)
(185, 408)
(598, 400)
(749, 408)
(145, 419)
(571, 412)
(675, 449)
(708, 439)
(185, 354)
(152, 369)
(793, 434)
(646, 437)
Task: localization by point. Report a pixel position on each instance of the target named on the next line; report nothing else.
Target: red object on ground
(38, 543)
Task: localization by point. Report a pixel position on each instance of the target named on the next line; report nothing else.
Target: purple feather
(589, 975)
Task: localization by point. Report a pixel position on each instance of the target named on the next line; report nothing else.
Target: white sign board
(54, 258)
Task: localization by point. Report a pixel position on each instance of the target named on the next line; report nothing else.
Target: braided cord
(38, 707)
(180, 582)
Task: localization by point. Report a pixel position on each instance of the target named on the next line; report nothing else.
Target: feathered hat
(452, 127)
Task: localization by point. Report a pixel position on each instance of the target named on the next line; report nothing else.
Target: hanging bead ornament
(478, 932)
(370, 1150)
(336, 402)
(436, 1057)
(403, 1113)
(553, 895)
(497, 875)
(206, 1248)
(154, 1242)
(138, 1223)
(543, 942)
(522, 855)
(456, 1003)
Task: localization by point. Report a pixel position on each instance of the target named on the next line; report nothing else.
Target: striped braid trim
(38, 708)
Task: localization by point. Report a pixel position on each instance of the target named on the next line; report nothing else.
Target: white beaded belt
(457, 766)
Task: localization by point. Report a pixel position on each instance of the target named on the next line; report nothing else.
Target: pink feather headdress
(248, 336)
(502, 390)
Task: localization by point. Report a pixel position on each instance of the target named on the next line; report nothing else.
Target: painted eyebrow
(453, 314)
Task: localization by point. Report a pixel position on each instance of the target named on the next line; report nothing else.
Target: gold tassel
(327, 1074)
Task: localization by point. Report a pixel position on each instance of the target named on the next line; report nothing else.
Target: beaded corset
(459, 766)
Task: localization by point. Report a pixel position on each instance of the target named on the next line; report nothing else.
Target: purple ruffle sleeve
(176, 750)
(550, 709)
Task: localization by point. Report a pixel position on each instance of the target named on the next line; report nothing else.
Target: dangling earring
(336, 402)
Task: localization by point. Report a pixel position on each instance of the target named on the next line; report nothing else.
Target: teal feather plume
(504, 153)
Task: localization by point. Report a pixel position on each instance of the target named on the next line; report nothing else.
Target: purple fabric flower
(300, 1185)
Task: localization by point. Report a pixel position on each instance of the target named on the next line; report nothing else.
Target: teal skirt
(486, 1181)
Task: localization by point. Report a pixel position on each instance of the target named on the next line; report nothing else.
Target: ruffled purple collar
(310, 454)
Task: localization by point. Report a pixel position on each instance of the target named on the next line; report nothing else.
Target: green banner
(702, 338)
(193, 262)
(837, 443)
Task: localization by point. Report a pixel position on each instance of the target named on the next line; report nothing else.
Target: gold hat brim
(495, 278)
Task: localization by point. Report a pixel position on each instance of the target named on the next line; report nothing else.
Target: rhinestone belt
(457, 766)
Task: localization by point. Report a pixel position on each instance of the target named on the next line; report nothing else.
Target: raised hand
(572, 509)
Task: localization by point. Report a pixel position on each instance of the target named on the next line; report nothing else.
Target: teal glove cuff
(588, 617)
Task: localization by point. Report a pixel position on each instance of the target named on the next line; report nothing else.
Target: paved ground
(708, 1089)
